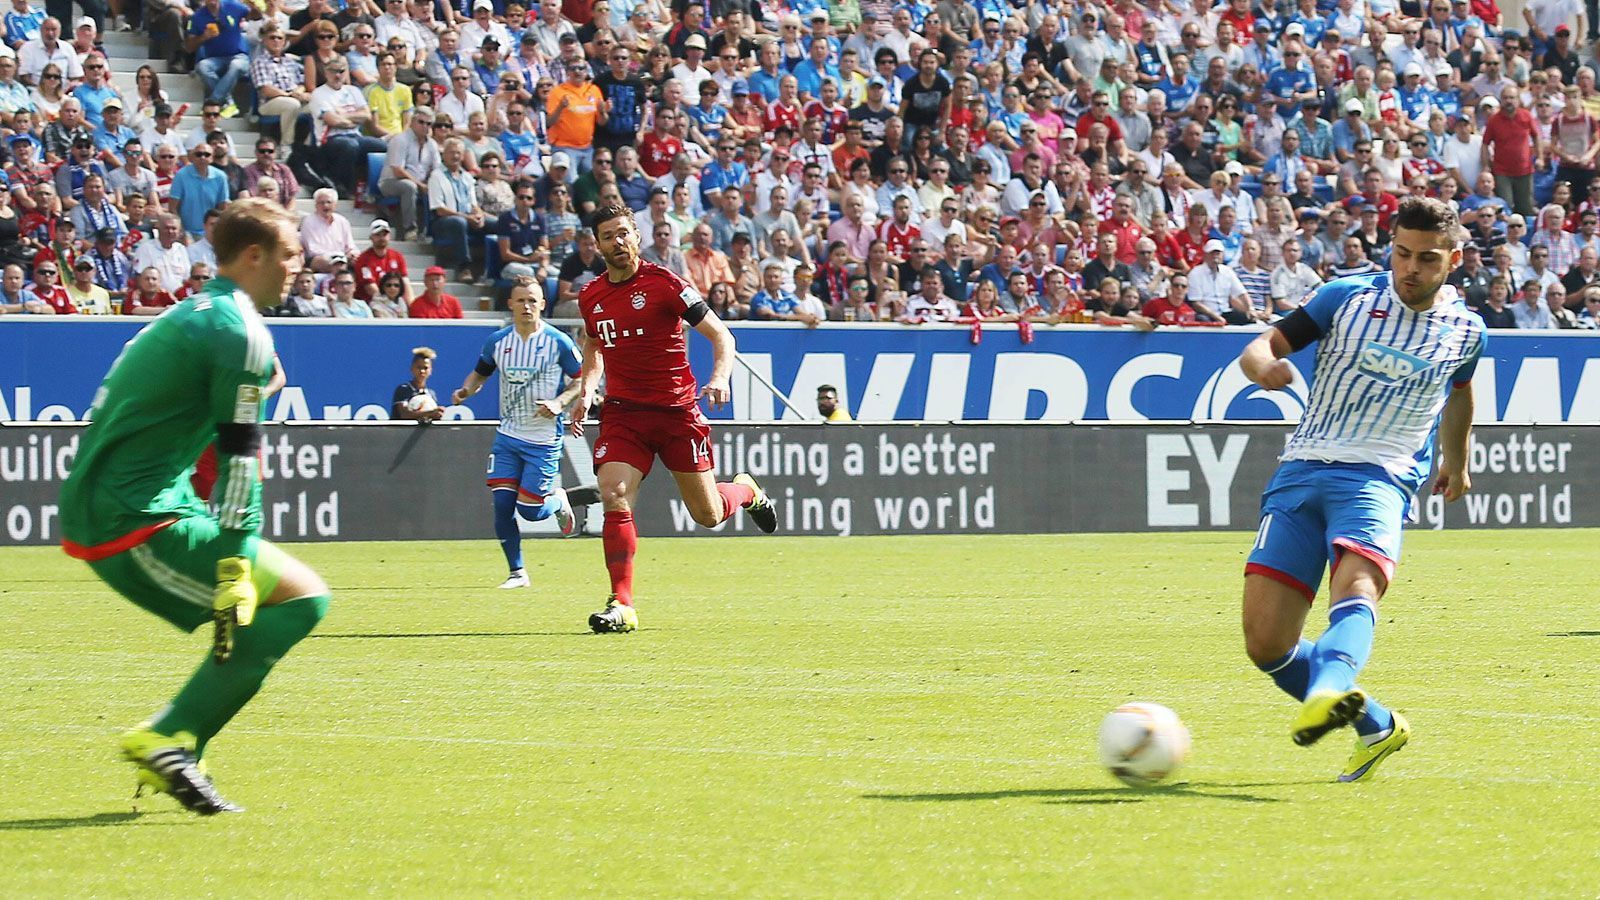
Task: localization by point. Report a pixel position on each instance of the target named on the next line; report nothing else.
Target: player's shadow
(353, 636)
(98, 820)
(406, 447)
(1096, 796)
(1573, 634)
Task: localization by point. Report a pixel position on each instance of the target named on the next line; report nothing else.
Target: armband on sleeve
(1299, 328)
(484, 368)
(696, 311)
(239, 438)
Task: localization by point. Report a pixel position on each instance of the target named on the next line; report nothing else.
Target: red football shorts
(636, 435)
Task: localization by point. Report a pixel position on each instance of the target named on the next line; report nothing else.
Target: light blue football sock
(505, 527)
(1376, 720)
(551, 505)
(1342, 650)
(1292, 671)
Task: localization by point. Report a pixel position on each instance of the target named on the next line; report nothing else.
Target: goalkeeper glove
(233, 605)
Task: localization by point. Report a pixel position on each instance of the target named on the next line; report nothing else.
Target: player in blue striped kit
(532, 358)
(1395, 356)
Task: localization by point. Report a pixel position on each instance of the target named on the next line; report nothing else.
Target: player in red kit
(633, 319)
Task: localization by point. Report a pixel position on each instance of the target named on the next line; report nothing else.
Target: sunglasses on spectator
(325, 37)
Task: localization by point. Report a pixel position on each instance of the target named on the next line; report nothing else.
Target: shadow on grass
(1097, 795)
(98, 820)
(1573, 634)
(447, 634)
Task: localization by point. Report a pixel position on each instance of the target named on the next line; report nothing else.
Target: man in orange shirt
(575, 108)
(706, 264)
(849, 150)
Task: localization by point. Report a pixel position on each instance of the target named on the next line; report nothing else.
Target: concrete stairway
(127, 51)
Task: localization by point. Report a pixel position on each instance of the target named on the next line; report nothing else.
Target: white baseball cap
(86, 22)
(560, 160)
(1216, 245)
(1233, 167)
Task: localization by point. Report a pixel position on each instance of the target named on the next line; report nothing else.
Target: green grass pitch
(833, 717)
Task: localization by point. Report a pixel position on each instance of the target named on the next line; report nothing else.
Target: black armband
(484, 368)
(696, 311)
(239, 438)
(1299, 328)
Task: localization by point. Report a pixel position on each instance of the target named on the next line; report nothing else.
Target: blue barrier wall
(49, 370)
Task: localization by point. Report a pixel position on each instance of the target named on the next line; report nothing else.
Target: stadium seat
(374, 173)
(491, 258)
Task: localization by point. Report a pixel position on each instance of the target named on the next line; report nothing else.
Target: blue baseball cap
(740, 86)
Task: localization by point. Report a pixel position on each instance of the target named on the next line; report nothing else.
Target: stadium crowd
(1161, 164)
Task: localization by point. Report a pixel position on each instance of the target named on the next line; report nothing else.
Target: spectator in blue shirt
(521, 232)
(22, 23)
(216, 39)
(812, 70)
(773, 303)
(1292, 83)
(197, 189)
(1179, 85)
(723, 172)
(112, 135)
(1349, 129)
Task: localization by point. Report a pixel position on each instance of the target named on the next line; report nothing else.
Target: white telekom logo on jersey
(1387, 364)
(608, 331)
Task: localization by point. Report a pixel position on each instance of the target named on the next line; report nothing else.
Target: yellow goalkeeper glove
(233, 605)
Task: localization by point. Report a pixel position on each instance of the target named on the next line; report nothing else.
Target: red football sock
(733, 497)
(621, 541)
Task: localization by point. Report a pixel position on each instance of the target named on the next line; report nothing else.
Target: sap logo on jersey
(1387, 364)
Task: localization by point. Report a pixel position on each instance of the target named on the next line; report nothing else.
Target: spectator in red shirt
(1510, 144)
(1373, 194)
(44, 296)
(434, 302)
(1192, 240)
(147, 298)
(1125, 228)
(659, 148)
(784, 111)
(377, 261)
(1173, 308)
(1099, 112)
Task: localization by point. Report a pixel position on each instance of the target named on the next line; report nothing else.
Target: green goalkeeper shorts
(174, 573)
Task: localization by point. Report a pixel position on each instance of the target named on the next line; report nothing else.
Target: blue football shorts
(527, 468)
(1314, 512)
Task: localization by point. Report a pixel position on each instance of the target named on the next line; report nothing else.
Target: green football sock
(215, 693)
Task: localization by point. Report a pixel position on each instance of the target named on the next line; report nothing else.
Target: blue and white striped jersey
(531, 369)
(1382, 375)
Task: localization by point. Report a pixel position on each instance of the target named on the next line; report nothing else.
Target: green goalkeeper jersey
(202, 363)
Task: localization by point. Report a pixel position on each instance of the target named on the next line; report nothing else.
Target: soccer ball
(421, 403)
(1143, 743)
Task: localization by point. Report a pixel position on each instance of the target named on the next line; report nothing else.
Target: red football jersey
(371, 267)
(639, 324)
(656, 154)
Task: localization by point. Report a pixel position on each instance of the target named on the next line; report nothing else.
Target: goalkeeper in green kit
(192, 377)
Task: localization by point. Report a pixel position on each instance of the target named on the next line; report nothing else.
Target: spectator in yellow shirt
(828, 405)
(389, 100)
(575, 107)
